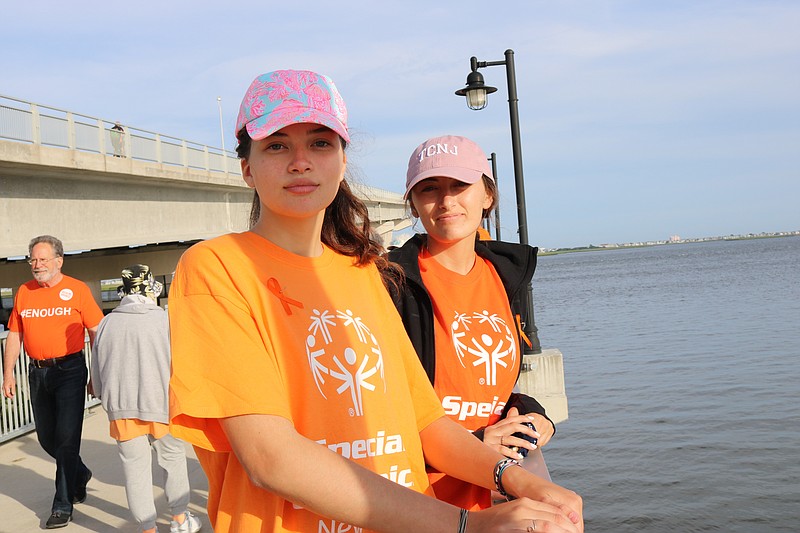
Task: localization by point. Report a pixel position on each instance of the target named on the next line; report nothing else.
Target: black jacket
(514, 263)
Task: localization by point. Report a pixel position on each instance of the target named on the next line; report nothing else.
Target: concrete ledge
(542, 377)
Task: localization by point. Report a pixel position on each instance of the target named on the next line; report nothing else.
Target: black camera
(533, 440)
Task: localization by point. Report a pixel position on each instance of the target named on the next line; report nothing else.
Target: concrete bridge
(116, 198)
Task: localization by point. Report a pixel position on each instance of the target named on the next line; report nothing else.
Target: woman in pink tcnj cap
(462, 304)
(292, 374)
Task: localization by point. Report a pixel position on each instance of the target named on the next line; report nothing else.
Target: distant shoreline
(593, 248)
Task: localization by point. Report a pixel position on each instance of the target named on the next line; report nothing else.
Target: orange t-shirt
(123, 429)
(258, 330)
(51, 320)
(477, 357)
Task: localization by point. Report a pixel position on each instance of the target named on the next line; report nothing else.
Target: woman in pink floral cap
(292, 374)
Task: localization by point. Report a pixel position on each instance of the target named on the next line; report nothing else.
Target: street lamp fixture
(476, 93)
(476, 90)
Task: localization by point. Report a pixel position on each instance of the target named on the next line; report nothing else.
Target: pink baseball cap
(283, 97)
(449, 156)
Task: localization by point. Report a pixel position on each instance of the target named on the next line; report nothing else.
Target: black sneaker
(80, 490)
(58, 519)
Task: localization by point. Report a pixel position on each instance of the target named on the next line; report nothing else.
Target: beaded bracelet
(462, 521)
(499, 468)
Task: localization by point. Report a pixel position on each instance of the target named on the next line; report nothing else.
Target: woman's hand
(543, 426)
(499, 436)
(452, 450)
(522, 515)
(520, 483)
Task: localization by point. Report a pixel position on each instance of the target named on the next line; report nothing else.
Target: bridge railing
(27, 122)
(16, 414)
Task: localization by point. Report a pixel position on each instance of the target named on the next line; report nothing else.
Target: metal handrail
(16, 414)
(38, 124)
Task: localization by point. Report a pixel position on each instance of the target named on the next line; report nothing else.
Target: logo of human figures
(483, 339)
(344, 356)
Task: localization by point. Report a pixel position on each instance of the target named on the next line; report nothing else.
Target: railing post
(184, 153)
(101, 136)
(158, 148)
(205, 158)
(36, 125)
(70, 130)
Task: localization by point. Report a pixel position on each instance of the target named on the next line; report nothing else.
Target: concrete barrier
(542, 377)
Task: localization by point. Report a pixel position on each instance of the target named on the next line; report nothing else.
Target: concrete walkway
(27, 475)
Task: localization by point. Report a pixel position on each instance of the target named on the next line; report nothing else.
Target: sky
(639, 120)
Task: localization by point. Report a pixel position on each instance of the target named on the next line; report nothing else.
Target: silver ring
(532, 527)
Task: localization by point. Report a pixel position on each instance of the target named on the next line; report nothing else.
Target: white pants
(137, 465)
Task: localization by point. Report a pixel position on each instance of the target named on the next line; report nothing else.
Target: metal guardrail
(16, 414)
(27, 122)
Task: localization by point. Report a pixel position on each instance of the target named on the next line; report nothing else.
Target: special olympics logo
(343, 356)
(484, 340)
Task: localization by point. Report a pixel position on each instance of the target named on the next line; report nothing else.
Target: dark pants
(58, 394)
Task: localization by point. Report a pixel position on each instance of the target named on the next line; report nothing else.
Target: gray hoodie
(131, 361)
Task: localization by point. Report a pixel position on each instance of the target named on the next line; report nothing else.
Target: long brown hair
(345, 226)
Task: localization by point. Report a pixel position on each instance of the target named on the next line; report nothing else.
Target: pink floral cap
(284, 97)
(449, 156)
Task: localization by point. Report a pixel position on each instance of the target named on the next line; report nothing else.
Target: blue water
(682, 368)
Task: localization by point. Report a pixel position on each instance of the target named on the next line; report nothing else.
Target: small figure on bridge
(118, 139)
(51, 314)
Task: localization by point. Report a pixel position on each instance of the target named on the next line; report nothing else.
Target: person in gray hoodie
(130, 374)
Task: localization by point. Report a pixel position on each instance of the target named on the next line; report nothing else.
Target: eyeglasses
(40, 261)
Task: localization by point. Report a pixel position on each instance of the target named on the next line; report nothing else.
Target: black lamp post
(493, 159)
(476, 93)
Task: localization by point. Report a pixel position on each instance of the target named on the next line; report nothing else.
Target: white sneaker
(191, 524)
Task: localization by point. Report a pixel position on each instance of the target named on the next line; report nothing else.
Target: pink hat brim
(266, 125)
(465, 175)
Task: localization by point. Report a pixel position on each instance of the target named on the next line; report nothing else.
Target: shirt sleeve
(14, 323)
(426, 403)
(222, 364)
(427, 406)
(90, 311)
